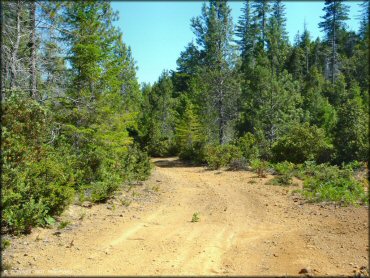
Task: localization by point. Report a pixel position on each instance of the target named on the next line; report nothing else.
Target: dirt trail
(246, 227)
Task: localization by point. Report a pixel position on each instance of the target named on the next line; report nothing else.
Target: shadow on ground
(170, 163)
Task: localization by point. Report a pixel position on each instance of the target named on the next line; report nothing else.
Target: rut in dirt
(245, 227)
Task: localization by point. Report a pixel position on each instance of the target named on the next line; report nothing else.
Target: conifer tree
(214, 30)
(336, 13)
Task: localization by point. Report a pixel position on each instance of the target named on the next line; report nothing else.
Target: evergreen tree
(214, 30)
(351, 134)
(261, 10)
(336, 13)
(158, 117)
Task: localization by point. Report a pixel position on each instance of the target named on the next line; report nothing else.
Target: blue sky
(158, 31)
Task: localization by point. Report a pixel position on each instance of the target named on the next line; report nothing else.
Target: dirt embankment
(245, 228)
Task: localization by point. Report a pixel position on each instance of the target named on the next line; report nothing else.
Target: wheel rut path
(246, 227)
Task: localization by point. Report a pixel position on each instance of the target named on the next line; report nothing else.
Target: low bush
(237, 164)
(285, 172)
(260, 167)
(35, 176)
(302, 143)
(330, 183)
(221, 155)
(194, 152)
(248, 146)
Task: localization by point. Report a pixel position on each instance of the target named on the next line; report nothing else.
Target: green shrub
(248, 146)
(237, 164)
(355, 165)
(302, 143)
(330, 183)
(285, 171)
(136, 164)
(104, 189)
(260, 167)
(221, 155)
(195, 217)
(35, 175)
(5, 243)
(194, 152)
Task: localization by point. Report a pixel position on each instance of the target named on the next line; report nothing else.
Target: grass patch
(63, 224)
(5, 243)
(195, 217)
(125, 202)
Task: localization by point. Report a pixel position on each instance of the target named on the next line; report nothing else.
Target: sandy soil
(246, 227)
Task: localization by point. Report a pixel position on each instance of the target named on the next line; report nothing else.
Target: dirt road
(245, 227)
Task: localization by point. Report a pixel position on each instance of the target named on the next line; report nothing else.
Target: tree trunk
(333, 62)
(13, 64)
(32, 45)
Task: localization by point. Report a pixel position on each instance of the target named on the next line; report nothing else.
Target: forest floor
(245, 227)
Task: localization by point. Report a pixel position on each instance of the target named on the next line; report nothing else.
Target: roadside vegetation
(77, 126)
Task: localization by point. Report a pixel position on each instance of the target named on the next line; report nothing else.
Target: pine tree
(261, 10)
(336, 13)
(277, 41)
(188, 131)
(351, 134)
(214, 30)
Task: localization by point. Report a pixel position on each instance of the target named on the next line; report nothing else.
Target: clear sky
(158, 31)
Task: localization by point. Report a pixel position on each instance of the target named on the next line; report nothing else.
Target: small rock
(305, 270)
(86, 204)
(25, 255)
(121, 215)
(109, 207)
(57, 233)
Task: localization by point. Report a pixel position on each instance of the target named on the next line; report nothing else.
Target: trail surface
(246, 227)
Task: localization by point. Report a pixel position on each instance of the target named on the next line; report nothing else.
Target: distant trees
(336, 13)
(257, 84)
(214, 30)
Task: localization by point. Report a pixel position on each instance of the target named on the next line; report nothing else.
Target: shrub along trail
(246, 227)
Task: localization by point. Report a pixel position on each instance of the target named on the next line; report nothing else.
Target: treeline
(248, 85)
(244, 95)
(70, 107)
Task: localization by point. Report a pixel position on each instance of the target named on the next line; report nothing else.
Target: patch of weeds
(260, 167)
(63, 224)
(285, 172)
(135, 194)
(295, 191)
(82, 215)
(195, 217)
(155, 188)
(330, 183)
(50, 221)
(5, 243)
(6, 266)
(125, 202)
